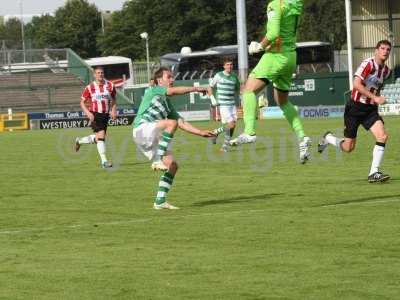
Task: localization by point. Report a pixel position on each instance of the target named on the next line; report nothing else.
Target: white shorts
(147, 137)
(228, 114)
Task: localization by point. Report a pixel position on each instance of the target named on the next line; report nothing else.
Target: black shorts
(100, 121)
(356, 114)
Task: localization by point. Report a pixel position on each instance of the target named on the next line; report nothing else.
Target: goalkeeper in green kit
(277, 65)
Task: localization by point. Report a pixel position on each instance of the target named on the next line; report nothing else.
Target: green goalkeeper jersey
(283, 17)
(155, 106)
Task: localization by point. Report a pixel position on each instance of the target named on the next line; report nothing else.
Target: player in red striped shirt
(362, 109)
(98, 103)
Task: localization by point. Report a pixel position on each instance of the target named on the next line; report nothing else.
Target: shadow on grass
(364, 199)
(237, 199)
(136, 163)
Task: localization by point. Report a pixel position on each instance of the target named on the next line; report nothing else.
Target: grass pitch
(253, 224)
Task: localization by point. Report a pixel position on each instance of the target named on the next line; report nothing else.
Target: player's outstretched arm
(186, 126)
(180, 90)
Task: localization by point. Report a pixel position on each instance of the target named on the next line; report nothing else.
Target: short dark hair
(98, 68)
(383, 42)
(159, 73)
(227, 59)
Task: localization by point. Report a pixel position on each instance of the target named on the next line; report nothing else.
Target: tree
(324, 20)
(76, 26)
(40, 31)
(10, 32)
(173, 24)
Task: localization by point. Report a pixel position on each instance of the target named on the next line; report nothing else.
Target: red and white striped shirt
(372, 76)
(100, 96)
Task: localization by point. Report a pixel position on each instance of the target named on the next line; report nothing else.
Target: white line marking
(121, 222)
(157, 218)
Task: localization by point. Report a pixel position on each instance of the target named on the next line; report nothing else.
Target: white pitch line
(121, 222)
(360, 203)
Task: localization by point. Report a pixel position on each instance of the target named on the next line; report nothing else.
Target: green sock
(292, 116)
(249, 112)
(165, 139)
(227, 136)
(164, 185)
(219, 130)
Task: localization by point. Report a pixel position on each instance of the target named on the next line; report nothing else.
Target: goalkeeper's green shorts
(276, 67)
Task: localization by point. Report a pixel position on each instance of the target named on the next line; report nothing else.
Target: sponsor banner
(299, 87)
(389, 109)
(71, 114)
(321, 111)
(271, 112)
(196, 115)
(77, 123)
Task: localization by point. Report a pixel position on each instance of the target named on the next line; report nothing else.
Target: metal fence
(140, 71)
(30, 80)
(340, 61)
(31, 56)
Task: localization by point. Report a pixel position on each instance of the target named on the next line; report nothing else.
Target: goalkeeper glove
(255, 47)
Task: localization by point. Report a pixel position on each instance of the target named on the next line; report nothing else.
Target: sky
(12, 7)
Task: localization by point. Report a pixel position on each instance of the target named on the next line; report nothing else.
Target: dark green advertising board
(307, 90)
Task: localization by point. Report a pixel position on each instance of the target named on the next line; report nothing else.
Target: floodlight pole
(242, 39)
(148, 59)
(145, 36)
(102, 22)
(22, 30)
(349, 42)
(391, 35)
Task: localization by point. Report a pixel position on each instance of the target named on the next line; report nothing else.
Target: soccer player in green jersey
(154, 128)
(227, 87)
(277, 65)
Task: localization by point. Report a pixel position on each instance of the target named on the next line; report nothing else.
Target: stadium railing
(37, 87)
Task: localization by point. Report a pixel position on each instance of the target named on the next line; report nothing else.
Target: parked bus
(186, 65)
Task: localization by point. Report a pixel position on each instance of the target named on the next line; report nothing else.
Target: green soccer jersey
(227, 86)
(155, 106)
(283, 16)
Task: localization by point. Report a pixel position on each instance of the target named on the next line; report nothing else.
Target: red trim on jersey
(367, 70)
(380, 71)
(92, 88)
(386, 72)
(86, 94)
(94, 107)
(112, 90)
(100, 96)
(372, 76)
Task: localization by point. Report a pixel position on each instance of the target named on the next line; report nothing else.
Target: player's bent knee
(382, 138)
(172, 123)
(250, 86)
